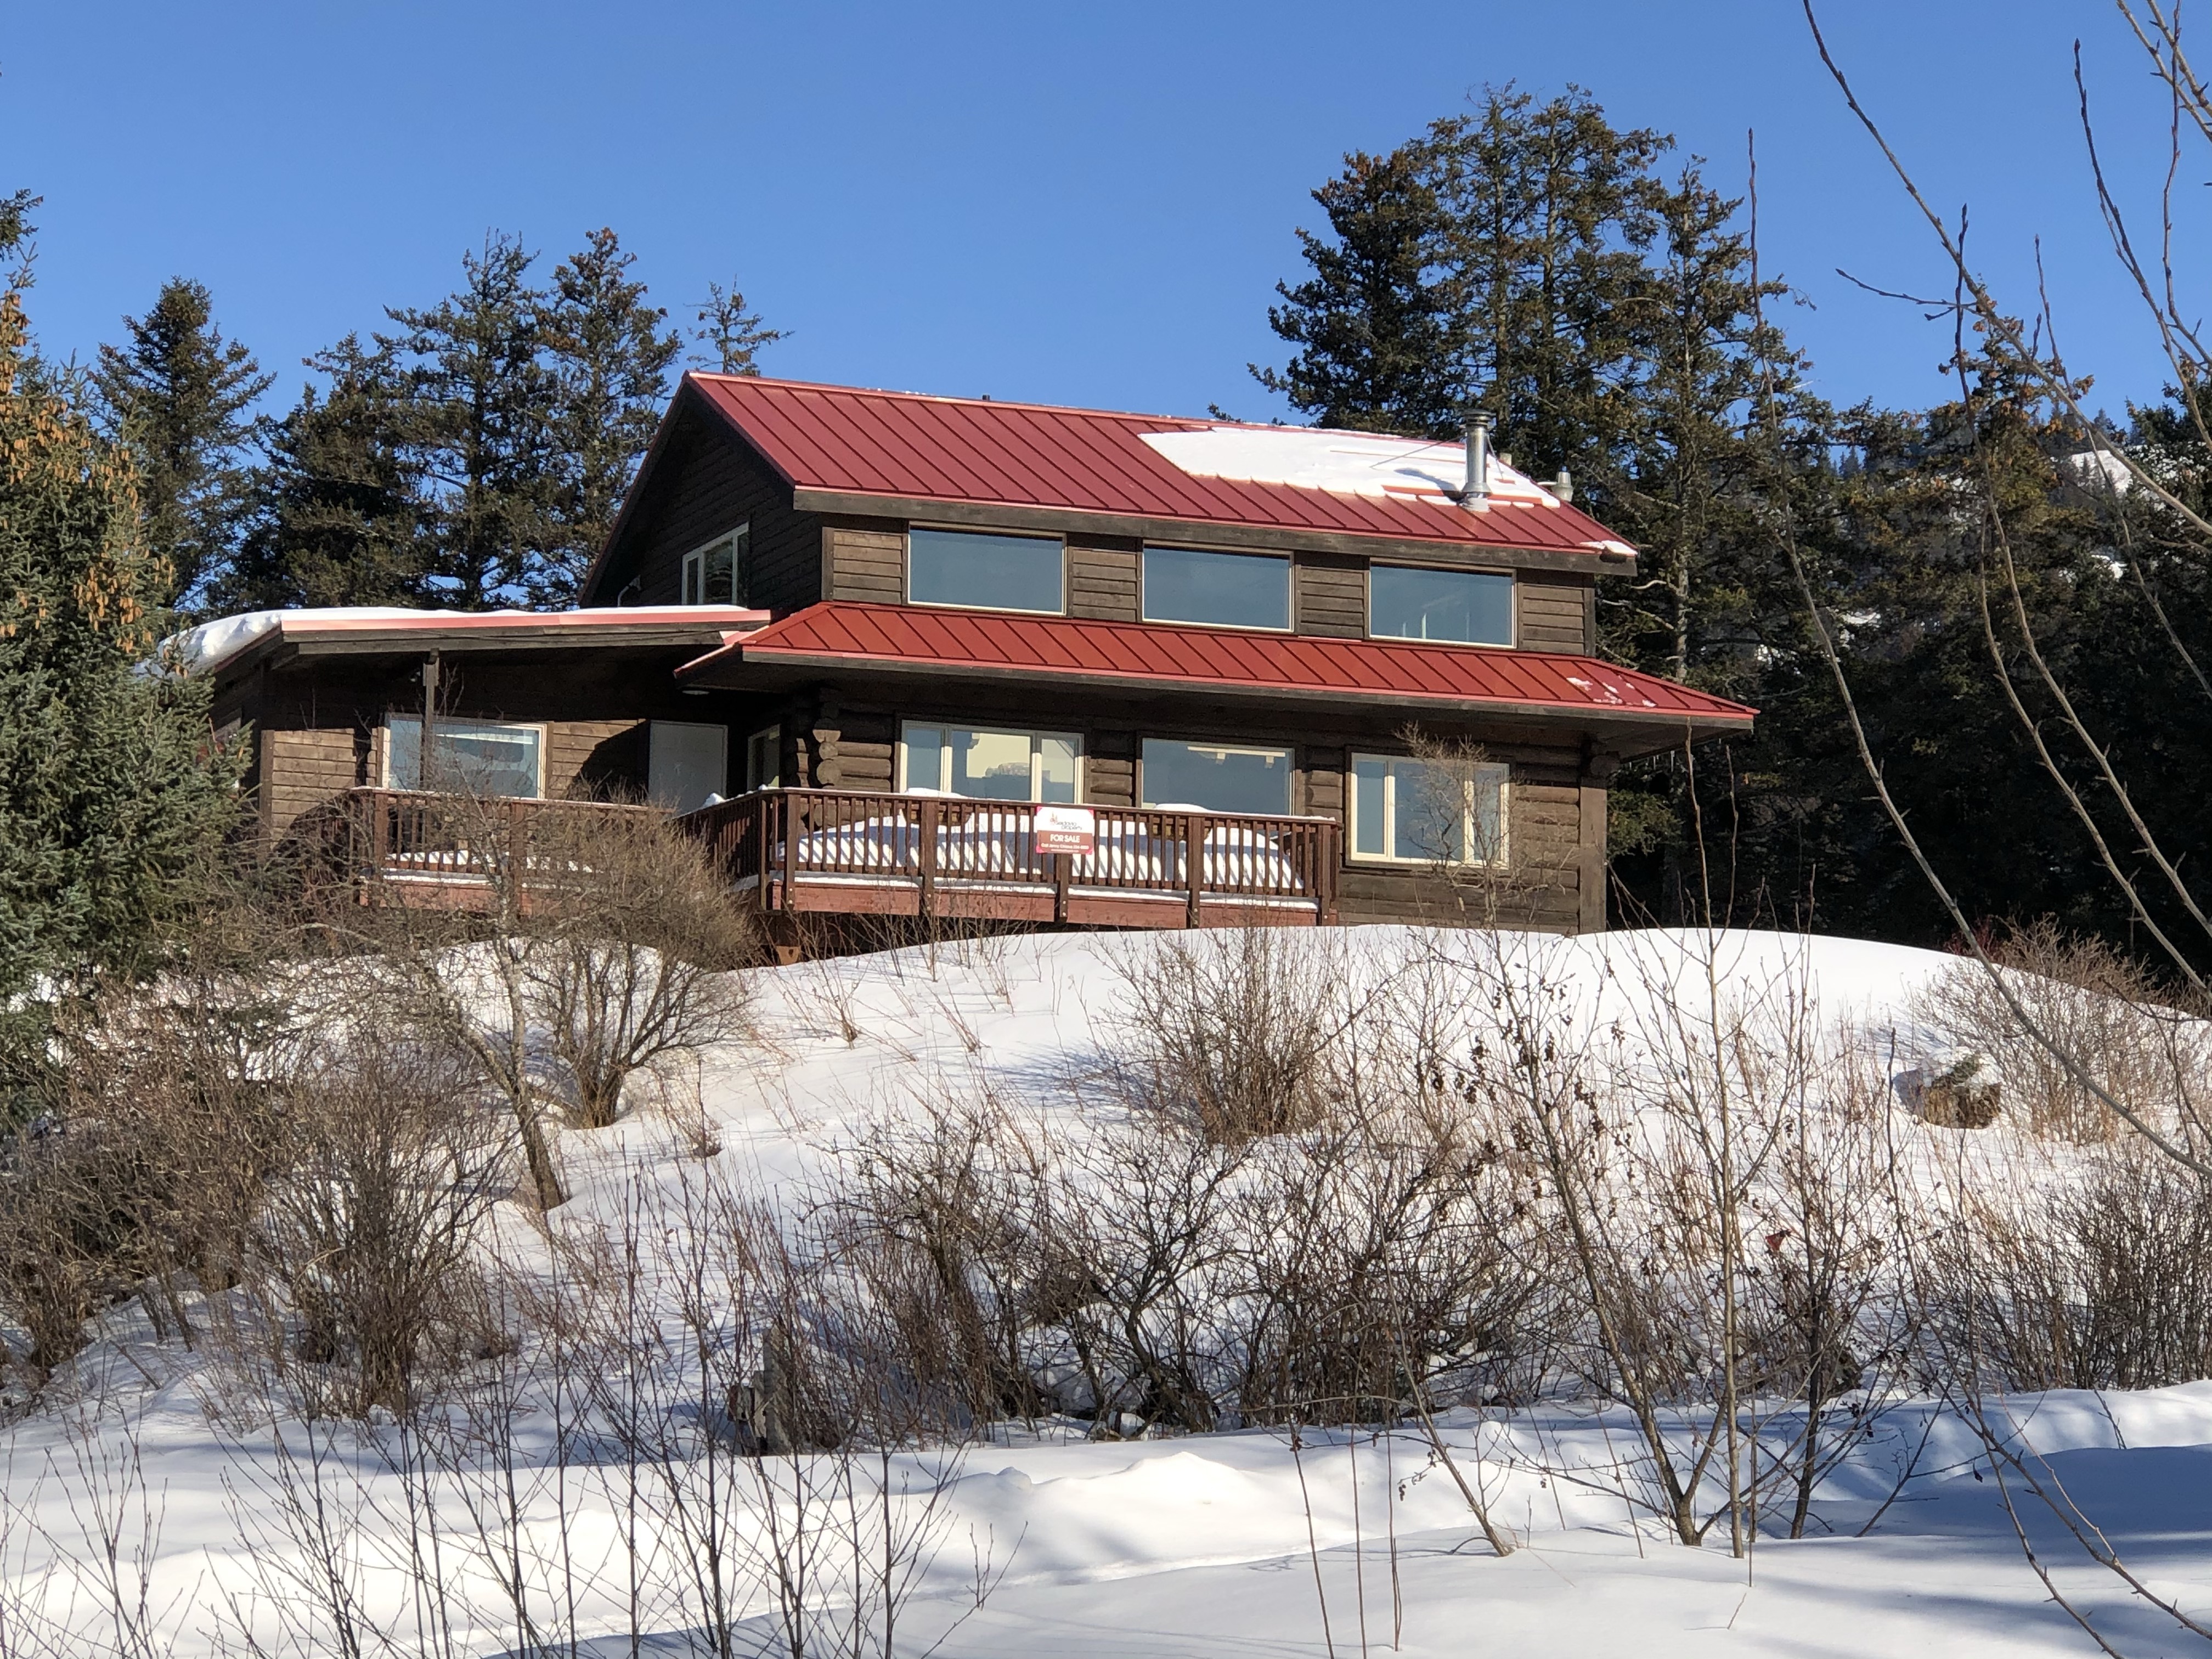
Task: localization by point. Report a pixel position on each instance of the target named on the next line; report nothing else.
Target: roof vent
(1561, 489)
(1476, 492)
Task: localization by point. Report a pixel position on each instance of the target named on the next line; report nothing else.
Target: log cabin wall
(706, 483)
(1555, 613)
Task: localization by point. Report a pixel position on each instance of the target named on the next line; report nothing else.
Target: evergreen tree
(1376, 323)
(339, 515)
(112, 791)
(610, 354)
(178, 394)
(478, 420)
(733, 335)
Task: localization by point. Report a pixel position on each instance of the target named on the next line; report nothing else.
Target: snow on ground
(1240, 1544)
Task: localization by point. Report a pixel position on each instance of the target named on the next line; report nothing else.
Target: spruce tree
(732, 335)
(178, 394)
(479, 420)
(112, 792)
(610, 353)
(1375, 324)
(338, 514)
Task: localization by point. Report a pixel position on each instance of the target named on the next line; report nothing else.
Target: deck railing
(424, 838)
(850, 850)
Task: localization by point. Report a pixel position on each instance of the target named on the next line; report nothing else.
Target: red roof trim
(911, 637)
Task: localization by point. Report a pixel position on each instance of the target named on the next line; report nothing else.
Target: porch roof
(843, 637)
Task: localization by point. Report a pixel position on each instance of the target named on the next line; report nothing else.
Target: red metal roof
(1408, 672)
(903, 444)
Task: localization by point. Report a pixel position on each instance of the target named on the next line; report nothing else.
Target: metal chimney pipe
(1477, 489)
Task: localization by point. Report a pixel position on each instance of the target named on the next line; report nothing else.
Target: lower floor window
(1217, 777)
(985, 764)
(475, 758)
(686, 764)
(764, 759)
(1427, 812)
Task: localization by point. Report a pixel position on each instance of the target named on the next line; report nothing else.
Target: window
(985, 573)
(711, 576)
(475, 758)
(1427, 812)
(1217, 777)
(686, 763)
(764, 759)
(983, 765)
(1231, 590)
(1465, 607)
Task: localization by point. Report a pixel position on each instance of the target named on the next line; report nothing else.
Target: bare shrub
(1229, 1032)
(635, 955)
(2096, 1007)
(2101, 1280)
(365, 1247)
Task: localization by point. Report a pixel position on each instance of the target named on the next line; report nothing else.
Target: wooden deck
(429, 850)
(855, 853)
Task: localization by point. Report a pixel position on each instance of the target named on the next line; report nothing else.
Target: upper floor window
(990, 765)
(1425, 811)
(1217, 777)
(985, 572)
(1230, 589)
(1465, 607)
(714, 575)
(472, 757)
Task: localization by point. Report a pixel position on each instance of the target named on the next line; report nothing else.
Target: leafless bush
(635, 958)
(2096, 1279)
(364, 1247)
(2102, 1015)
(1229, 1032)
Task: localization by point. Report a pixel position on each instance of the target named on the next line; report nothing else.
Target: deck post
(1194, 865)
(927, 822)
(790, 815)
(1062, 865)
(764, 808)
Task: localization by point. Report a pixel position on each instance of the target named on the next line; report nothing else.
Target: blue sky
(1079, 204)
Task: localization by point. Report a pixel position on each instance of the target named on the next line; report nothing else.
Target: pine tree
(338, 514)
(479, 420)
(112, 791)
(1375, 324)
(733, 335)
(178, 395)
(1547, 210)
(610, 355)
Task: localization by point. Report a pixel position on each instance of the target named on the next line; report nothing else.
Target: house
(863, 636)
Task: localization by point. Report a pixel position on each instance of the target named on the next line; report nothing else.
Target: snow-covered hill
(142, 1474)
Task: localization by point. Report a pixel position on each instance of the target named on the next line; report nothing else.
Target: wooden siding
(1103, 579)
(1332, 596)
(1109, 767)
(594, 757)
(864, 562)
(708, 483)
(300, 770)
(1555, 616)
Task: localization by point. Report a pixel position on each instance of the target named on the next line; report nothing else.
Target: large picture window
(985, 572)
(990, 765)
(475, 758)
(686, 764)
(1465, 607)
(714, 575)
(1229, 590)
(1217, 777)
(1418, 811)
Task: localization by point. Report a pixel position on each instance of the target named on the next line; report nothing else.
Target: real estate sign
(1065, 829)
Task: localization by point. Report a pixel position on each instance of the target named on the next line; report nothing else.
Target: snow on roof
(198, 649)
(1344, 463)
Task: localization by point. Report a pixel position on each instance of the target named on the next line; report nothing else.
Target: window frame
(774, 737)
(1502, 855)
(1288, 561)
(541, 728)
(902, 781)
(1512, 578)
(906, 569)
(740, 537)
(1288, 751)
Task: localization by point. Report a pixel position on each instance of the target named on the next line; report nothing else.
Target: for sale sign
(1065, 829)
